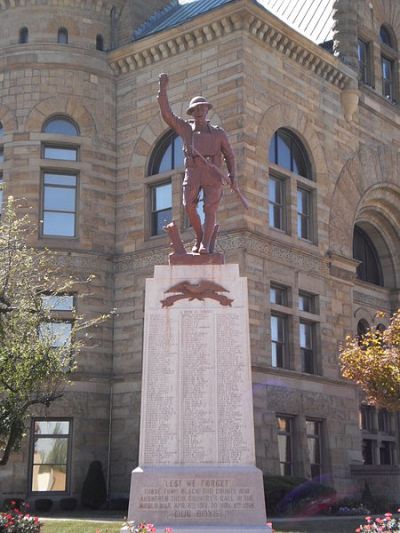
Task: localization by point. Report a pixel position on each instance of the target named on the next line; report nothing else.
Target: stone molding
(379, 304)
(265, 248)
(96, 5)
(242, 16)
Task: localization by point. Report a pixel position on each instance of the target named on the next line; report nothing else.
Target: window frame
(374, 436)
(60, 146)
(284, 343)
(282, 208)
(153, 212)
(290, 439)
(62, 33)
(318, 436)
(389, 55)
(23, 35)
(42, 203)
(64, 118)
(31, 464)
(292, 180)
(365, 66)
(309, 217)
(306, 352)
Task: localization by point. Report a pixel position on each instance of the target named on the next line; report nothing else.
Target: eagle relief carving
(196, 291)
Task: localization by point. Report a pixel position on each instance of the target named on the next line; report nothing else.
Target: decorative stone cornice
(257, 245)
(240, 16)
(96, 5)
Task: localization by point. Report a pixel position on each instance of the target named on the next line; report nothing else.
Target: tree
(35, 362)
(373, 362)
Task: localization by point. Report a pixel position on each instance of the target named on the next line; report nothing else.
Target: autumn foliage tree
(373, 362)
(34, 365)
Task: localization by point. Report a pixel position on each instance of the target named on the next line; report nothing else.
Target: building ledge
(243, 16)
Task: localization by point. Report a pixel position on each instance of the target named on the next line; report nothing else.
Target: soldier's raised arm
(176, 123)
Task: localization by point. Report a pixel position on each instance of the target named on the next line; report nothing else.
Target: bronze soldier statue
(204, 147)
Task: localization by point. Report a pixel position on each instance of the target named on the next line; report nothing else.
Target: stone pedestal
(197, 461)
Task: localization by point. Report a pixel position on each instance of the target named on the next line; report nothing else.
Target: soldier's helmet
(194, 102)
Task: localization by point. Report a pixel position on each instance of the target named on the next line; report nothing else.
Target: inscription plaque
(196, 453)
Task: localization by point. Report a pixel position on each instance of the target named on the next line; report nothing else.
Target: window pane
(1, 154)
(303, 214)
(276, 328)
(276, 203)
(284, 154)
(60, 179)
(62, 36)
(162, 197)
(1, 129)
(385, 36)
(178, 153)
(166, 161)
(64, 154)
(299, 162)
(61, 126)
(50, 450)
(305, 335)
(58, 333)
(283, 423)
(284, 448)
(306, 303)
(47, 478)
(51, 427)
(272, 150)
(278, 295)
(59, 199)
(58, 303)
(60, 224)
(161, 219)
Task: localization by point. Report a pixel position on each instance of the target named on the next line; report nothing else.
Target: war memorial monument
(197, 468)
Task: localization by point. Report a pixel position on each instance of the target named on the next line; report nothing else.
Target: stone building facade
(315, 129)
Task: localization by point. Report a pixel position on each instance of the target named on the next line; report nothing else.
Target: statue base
(196, 259)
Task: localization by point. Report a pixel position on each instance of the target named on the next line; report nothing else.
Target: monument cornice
(242, 16)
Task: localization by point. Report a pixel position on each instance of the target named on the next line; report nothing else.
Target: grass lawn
(80, 526)
(333, 525)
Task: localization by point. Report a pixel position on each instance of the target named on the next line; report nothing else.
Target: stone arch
(61, 105)
(366, 193)
(387, 13)
(284, 115)
(8, 119)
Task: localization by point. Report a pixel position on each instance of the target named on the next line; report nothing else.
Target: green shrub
(94, 492)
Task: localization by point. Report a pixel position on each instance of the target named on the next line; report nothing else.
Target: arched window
(61, 125)
(99, 42)
(362, 328)
(23, 35)
(364, 250)
(290, 165)
(62, 36)
(287, 151)
(167, 155)
(385, 36)
(166, 158)
(58, 217)
(389, 60)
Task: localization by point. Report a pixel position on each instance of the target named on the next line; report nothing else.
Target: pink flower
(169, 530)
(388, 515)
(368, 518)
